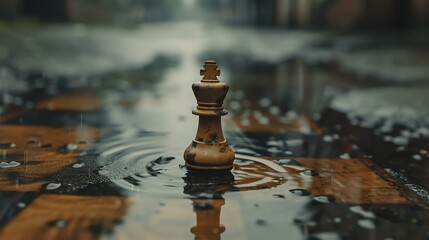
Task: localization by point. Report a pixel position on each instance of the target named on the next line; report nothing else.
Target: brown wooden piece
(65, 217)
(39, 144)
(209, 150)
(353, 181)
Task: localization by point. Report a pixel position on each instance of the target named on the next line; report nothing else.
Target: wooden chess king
(209, 150)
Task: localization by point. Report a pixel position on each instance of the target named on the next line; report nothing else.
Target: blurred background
(320, 14)
(310, 50)
(336, 71)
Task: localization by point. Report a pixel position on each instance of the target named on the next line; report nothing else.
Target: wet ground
(331, 134)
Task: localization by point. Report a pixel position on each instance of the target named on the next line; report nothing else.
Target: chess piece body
(209, 150)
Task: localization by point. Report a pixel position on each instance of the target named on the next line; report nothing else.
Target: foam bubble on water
(66, 148)
(366, 223)
(7, 145)
(263, 120)
(53, 186)
(311, 173)
(78, 165)
(275, 143)
(294, 142)
(245, 122)
(59, 223)
(104, 172)
(376, 62)
(328, 138)
(287, 161)
(9, 165)
(323, 199)
(264, 102)
(388, 107)
(21, 205)
(234, 105)
(299, 192)
(359, 210)
(400, 140)
(274, 110)
(305, 129)
(289, 116)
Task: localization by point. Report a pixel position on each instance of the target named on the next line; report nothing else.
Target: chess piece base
(209, 156)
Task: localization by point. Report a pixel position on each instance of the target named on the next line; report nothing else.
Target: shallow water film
(328, 121)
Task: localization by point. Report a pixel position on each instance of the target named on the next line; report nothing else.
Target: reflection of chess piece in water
(207, 210)
(208, 219)
(216, 183)
(209, 150)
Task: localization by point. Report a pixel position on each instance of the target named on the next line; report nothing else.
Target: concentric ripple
(150, 162)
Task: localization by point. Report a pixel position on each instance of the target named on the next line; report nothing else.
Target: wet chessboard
(68, 172)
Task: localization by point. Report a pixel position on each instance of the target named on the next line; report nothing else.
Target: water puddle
(147, 162)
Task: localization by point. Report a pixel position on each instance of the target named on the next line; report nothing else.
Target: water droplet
(328, 138)
(345, 156)
(337, 220)
(245, 122)
(299, 192)
(274, 110)
(202, 206)
(305, 130)
(68, 148)
(359, 210)
(207, 196)
(366, 223)
(400, 140)
(288, 152)
(234, 105)
(294, 142)
(21, 205)
(58, 223)
(291, 114)
(103, 172)
(78, 165)
(9, 165)
(417, 157)
(274, 143)
(401, 148)
(241, 162)
(309, 173)
(263, 120)
(324, 199)
(264, 102)
(289, 162)
(7, 145)
(273, 150)
(53, 186)
(261, 222)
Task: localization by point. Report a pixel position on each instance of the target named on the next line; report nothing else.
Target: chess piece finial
(209, 150)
